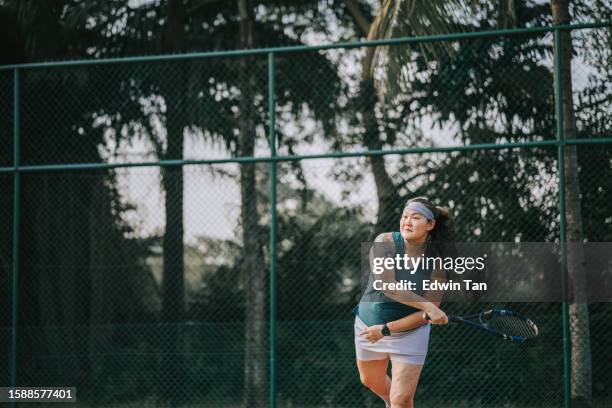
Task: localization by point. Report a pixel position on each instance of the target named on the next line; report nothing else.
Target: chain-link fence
(170, 255)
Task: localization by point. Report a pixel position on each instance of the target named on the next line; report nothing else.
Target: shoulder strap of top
(400, 246)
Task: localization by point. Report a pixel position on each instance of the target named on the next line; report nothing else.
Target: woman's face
(414, 227)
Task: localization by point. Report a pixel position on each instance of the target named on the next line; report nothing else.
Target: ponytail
(444, 230)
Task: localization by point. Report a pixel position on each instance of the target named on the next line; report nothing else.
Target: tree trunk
(52, 247)
(104, 298)
(173, 303)
(173, 265)
(254, 272)
(389, 205)
(581, 392)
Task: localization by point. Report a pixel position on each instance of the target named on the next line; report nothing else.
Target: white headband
(420, 208)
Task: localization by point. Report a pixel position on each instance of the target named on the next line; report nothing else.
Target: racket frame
(479, 321)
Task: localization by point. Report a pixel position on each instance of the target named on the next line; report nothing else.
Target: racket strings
(512, 325)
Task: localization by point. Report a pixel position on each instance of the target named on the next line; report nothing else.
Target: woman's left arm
(413, 320)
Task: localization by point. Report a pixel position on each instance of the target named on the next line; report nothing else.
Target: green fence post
(561, 165)
(272, 134)
(16, 185)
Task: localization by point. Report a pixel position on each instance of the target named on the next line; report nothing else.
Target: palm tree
(397, 18)
(71, 222)
(190, 89)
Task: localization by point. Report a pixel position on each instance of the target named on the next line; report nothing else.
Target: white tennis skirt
(408, 347)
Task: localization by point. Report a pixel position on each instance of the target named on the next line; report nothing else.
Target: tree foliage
(84, 265)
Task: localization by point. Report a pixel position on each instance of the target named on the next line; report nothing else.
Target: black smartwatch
(385, 330)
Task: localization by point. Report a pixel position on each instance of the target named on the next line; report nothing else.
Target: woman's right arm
(415, 320)
(412, 321)
(406, 297)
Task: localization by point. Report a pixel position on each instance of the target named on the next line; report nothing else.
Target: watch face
(386, 331)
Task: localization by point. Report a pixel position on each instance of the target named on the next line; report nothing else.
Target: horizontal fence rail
(266, 159)
(293, 49)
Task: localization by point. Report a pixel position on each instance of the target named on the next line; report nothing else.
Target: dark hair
(442, 236)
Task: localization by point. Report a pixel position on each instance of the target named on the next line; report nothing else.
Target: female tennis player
(389, 324)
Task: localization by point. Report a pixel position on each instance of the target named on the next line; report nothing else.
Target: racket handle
(426, 317)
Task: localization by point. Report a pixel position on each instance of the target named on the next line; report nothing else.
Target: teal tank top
(376, 308)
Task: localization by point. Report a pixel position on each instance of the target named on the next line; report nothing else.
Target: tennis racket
(502, 323)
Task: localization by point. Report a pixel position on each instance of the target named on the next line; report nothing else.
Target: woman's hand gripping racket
(499, 322)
